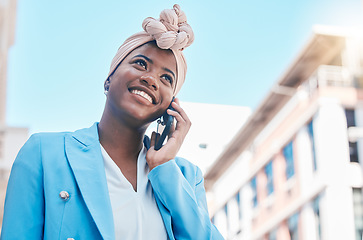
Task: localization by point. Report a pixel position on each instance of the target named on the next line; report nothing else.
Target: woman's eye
(141, 62)
(168, 78)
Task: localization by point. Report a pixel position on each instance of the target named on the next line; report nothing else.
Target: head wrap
(170, 31)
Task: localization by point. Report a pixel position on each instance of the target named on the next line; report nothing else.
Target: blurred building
(213, 126)
(11, 138)
(294, 169)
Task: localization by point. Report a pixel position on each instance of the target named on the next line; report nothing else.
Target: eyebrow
(151, 61)
(168, 70)
(143, 56)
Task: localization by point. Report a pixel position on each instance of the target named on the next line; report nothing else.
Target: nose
(150, 81)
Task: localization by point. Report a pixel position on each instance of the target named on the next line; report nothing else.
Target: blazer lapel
(85, 158)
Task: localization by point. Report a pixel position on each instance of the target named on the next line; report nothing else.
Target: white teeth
(142, 94)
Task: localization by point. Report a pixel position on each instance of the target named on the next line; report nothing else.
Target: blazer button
(64, 196)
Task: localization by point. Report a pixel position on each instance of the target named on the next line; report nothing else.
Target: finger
(172, 130)
(181, 128)
(180, 118)
(153, 139)
(176, 115)
(177, 101)
(181, 111)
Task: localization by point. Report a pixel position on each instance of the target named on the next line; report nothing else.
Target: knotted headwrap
(170, 31)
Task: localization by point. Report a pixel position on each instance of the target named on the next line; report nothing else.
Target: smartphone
(167, 122)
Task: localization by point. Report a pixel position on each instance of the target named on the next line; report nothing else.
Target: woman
(108, 181)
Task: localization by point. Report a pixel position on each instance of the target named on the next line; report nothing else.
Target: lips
(142, 94)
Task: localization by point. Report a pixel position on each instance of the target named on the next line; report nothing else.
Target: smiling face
(142, 86)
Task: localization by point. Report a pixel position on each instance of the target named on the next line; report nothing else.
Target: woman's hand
(175, 139)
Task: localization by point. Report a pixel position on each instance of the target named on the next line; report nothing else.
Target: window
(349, 114)
(233, 216)
(293, 224)
(289, 157)
(312, 142)
(316, 210)
(353, 148)
(358, 212)
(254, 191)
(225, 209)
(203, 145)
(238, 200)
(353, 152)
(269, 177)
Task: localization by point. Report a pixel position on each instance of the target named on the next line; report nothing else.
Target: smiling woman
(108, 181)
(141, 87)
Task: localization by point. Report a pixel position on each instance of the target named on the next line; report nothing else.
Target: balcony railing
(332, 76)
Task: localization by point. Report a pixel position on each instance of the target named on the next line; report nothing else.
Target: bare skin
(140, 90)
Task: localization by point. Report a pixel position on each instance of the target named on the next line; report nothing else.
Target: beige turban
(171, 31)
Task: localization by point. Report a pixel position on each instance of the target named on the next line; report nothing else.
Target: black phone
(167, 121)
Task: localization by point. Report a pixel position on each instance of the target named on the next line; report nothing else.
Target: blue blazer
(50, 163)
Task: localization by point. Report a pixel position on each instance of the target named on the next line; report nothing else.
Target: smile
(142, 94)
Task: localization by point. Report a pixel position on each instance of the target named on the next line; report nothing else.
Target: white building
(291, 171)
(213, 126)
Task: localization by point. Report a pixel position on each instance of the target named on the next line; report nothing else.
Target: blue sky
(63, 50)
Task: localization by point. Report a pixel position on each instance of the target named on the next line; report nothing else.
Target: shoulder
(55, 141)
(37, 143)
(45, 139)
(36, 140)
(45, 136)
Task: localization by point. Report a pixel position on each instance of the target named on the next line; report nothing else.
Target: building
(295, 168)
(210, 132)
(11, 138)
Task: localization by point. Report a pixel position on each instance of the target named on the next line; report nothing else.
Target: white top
(136, 215)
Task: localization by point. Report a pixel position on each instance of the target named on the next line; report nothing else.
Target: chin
(135, 114)
(143, 118)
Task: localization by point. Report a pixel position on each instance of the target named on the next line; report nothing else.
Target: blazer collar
(84, 156)
(87, 136)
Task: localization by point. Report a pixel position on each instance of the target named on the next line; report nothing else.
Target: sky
(63, 50)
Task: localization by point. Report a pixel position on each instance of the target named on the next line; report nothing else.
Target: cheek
(167, 92)
(167, 102)
(119, 82)
(124, 74)
(115, 90)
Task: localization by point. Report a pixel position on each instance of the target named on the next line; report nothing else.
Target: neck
(119, 138)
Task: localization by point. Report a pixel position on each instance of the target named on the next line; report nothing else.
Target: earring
(107, 86)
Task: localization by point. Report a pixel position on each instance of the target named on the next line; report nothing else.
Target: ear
(107, 84)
